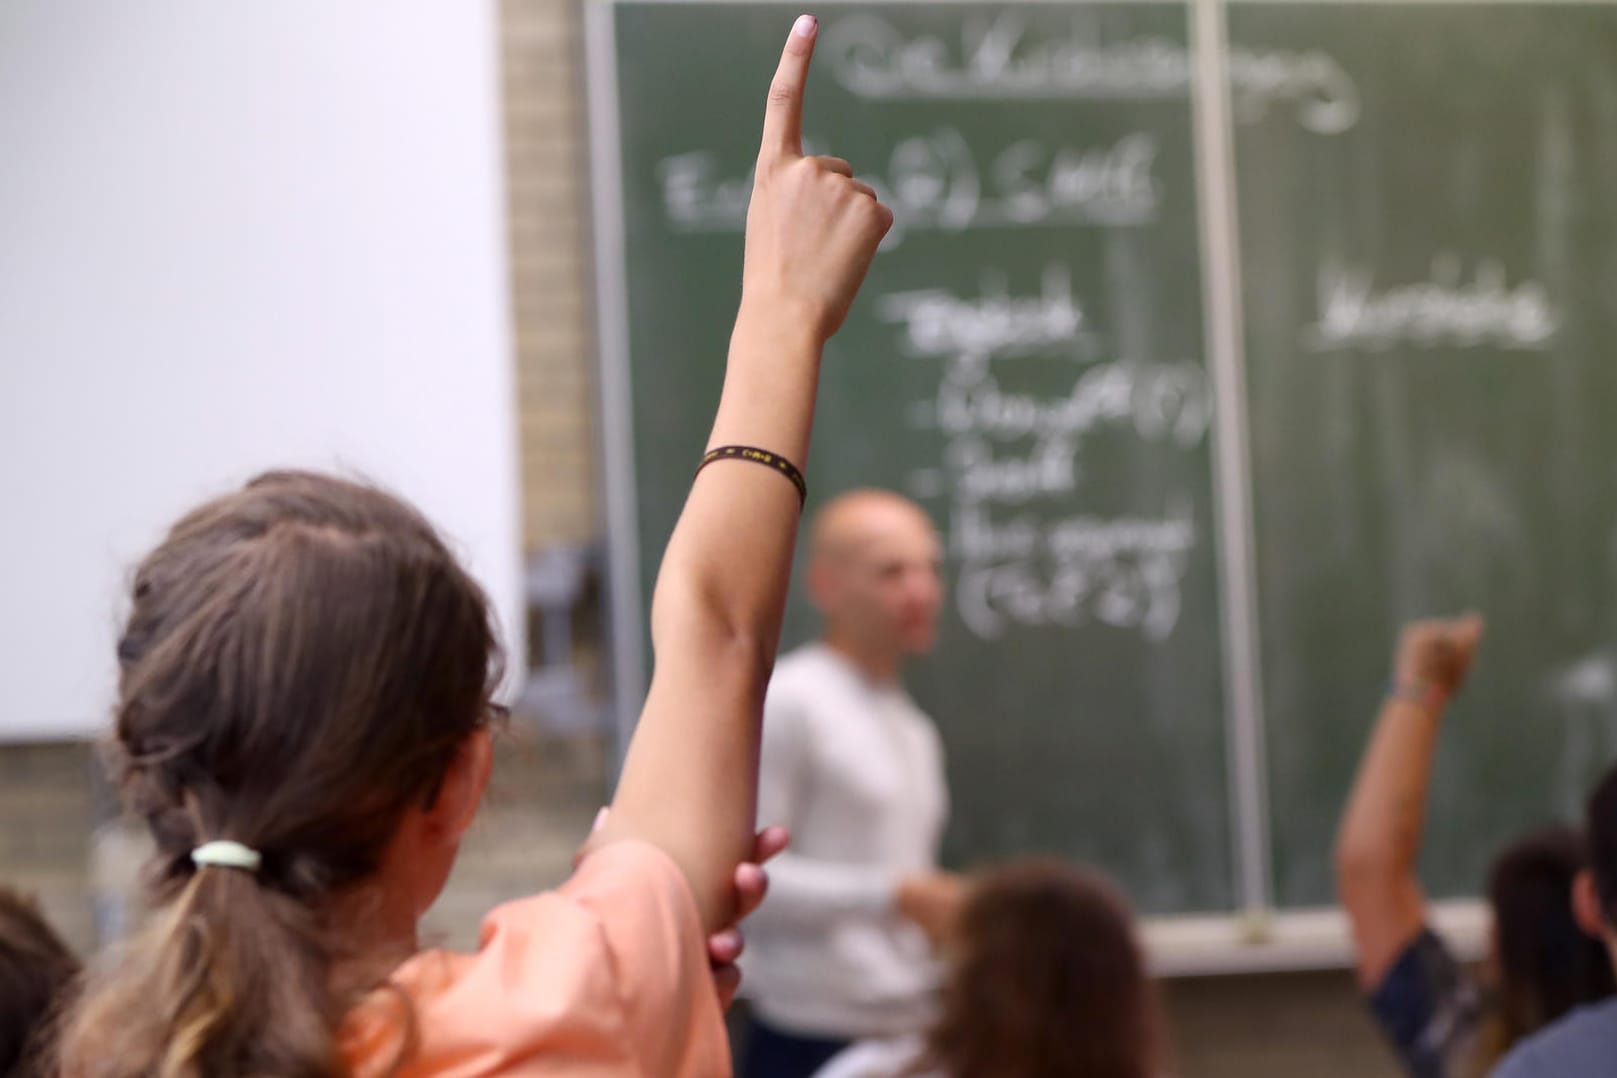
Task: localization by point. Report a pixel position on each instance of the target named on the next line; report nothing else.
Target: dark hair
(303, 659)
(1602, 835)
(1547, 964)
(1048, 981)
(36, 970)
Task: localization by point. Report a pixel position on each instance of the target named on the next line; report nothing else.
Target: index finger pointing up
(783, 118)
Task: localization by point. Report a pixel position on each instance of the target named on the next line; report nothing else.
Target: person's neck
(380, 933)
(880, 667)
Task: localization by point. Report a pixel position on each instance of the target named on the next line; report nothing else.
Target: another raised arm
(1378, 843)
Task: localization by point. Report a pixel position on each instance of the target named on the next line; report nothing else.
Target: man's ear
(463, 787)
(821, 586)
(1586, 905)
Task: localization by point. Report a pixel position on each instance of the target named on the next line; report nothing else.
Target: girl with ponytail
(303, 723)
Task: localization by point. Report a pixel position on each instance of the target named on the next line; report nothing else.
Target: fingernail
(600, 818)
(805, 25)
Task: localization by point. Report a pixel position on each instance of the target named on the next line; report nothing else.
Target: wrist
(779, 324)
(1428, 696)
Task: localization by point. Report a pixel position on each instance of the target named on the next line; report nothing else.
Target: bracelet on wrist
(1422, 694)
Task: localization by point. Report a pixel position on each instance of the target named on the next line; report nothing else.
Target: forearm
(808, 892)
(689, 780)
(1381, 829)
(728, 562)
(1379, 842)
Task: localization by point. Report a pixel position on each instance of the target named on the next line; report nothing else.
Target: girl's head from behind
(1047, 979)
(36, 974)
(1544, 963)
(305, 671)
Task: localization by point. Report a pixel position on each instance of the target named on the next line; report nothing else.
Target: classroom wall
(546, 163)
(548, 787)
(239, 239)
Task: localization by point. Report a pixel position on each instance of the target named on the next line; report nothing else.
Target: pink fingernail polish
(805, 25)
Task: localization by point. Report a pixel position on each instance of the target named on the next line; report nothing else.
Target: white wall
(237, 236)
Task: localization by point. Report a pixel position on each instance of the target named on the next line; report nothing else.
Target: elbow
(1362, 868)
(734, 660)
(731, 641)
(744, 658)
(1353, 858)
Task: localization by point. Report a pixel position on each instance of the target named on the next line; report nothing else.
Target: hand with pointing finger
(812, 229)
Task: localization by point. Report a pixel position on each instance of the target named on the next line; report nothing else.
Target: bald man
(842, 948)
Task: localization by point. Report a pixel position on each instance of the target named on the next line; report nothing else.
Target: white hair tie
(226, 854)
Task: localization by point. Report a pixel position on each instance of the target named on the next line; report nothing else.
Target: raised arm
(1379, 840)
(690, 778)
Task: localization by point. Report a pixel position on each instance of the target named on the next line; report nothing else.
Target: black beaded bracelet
(759, 456)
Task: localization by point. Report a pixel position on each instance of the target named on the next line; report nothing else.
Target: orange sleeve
(658, 951)
(606, 977)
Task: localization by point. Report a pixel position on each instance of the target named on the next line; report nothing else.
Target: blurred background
(485, 256)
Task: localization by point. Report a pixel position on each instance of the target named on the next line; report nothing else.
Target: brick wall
(546, 161)
(46, 817)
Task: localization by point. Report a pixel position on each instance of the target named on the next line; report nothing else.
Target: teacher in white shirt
(842, 949)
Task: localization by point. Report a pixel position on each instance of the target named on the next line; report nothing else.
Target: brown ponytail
(302, 660)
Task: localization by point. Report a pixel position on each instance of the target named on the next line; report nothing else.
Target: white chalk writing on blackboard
(698, 197)
(1122, 571)
(1036, 182)
(1450, 309)
(999, 57)
(939, 324)
(1012, 464)
(1162, 402)
(982, 474)
(935, 182)
(1325, 95)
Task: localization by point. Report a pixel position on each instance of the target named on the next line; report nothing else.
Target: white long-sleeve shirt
(855, 769)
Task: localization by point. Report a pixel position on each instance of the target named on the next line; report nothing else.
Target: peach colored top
(606, 977)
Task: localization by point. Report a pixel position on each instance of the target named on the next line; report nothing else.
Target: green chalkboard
(1027, 360)
(1422, 312)
(1429, 285)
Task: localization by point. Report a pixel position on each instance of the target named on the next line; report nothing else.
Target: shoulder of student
(1582, 1043)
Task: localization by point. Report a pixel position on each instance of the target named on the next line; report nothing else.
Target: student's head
(36, 970)
(306, 671)
(1545, 963)
(1047, 978)
(1596, 900)
(874, 573)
